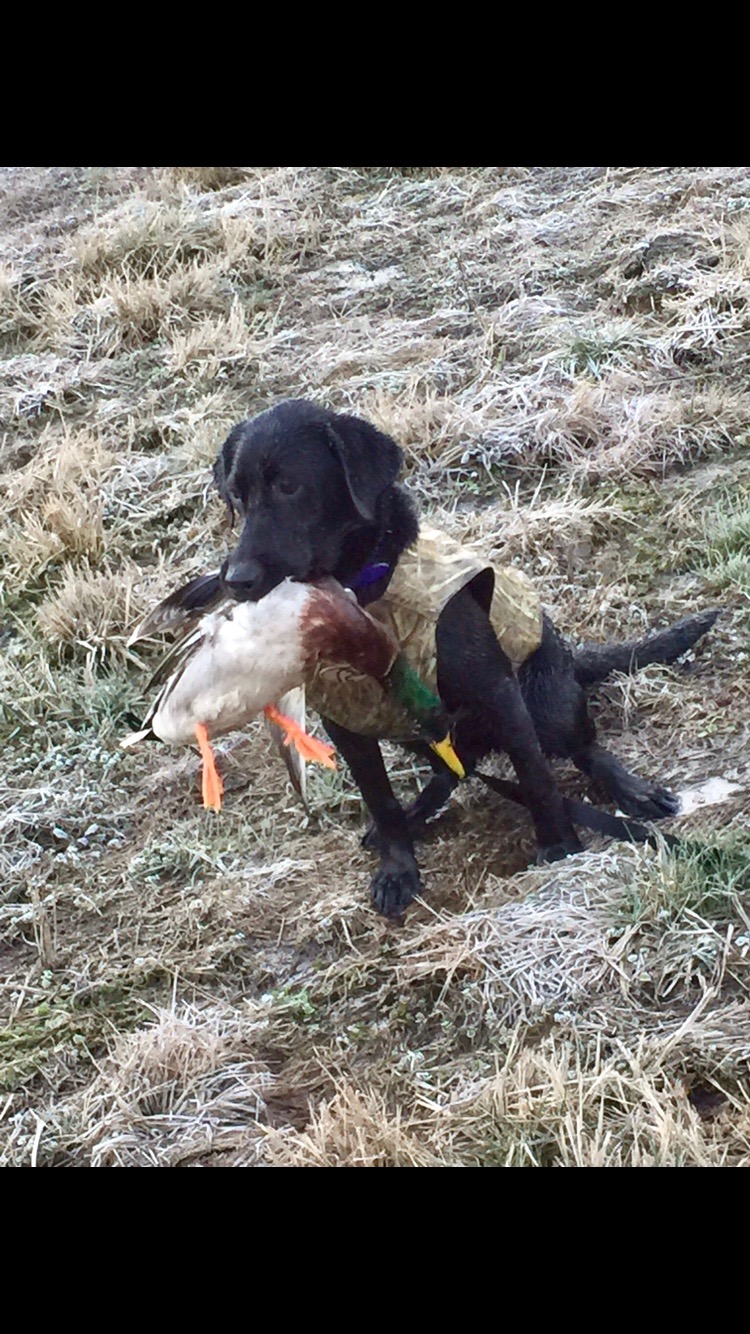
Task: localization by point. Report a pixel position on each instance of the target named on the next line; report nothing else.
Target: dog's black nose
(243, 579)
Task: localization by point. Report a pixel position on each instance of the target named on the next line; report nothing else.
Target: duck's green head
(425, 706)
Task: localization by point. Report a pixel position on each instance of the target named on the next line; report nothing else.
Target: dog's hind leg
(557, 703)
(475, 677)
(397, 880)
(635, 796)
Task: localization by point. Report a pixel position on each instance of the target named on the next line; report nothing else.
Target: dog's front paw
(554, 852)
(396, 884)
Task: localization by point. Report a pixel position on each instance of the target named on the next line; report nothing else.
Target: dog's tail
(595, 662)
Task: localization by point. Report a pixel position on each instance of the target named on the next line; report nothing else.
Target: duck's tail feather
(133, 738)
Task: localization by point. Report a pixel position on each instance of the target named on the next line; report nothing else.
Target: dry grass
(91, 611)
(207, 178)
(150, 240)
(563, 356)
(212, 346)
(179, 1088)
(351, 1130)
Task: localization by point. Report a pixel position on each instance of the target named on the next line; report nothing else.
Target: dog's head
(309, 487)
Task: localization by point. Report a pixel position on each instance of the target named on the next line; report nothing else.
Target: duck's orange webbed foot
(211, 784)
(308, 746)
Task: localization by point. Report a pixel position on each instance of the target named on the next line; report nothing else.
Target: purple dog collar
(369, 575)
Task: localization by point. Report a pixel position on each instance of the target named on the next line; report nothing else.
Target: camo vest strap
(427, 576)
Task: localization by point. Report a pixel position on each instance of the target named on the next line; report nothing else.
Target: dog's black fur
(317, 494)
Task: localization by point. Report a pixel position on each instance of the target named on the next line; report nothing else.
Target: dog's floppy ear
(224, 468)
(370, 460)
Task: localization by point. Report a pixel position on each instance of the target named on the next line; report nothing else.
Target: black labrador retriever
(317, 494)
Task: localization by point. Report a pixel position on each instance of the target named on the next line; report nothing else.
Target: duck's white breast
(248, 656)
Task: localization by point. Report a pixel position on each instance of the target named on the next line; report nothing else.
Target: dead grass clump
(209, 347)
(561, 1105)
(144, 308)
(185, 1086)
(62, 467)
(28, 550)
(21, 300)
(524, 959)
(705, 322)
(566, 527)
(78, 525)
(611, 430)
(352, 1129)
(147, 241)
(208, 178)
(153, 275)
(587, 933)
(652, 697)
(54, 504)
(560, 1102)
(427, 425)
(175, 441)
(134, 311)
(157, 240)
(714, 1042)
(91, 612)
(77, 323)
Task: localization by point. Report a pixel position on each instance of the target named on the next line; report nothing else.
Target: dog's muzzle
(246, 580)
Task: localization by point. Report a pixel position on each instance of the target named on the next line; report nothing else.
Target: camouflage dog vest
(427, 576)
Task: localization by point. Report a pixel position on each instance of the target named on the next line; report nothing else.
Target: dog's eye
(286, 486)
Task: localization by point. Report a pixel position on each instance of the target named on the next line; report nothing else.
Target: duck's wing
(182, 608)
(172, 663)
(168, 671)
(294, 706)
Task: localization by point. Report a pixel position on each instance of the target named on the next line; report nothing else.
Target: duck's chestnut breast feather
(334, 628)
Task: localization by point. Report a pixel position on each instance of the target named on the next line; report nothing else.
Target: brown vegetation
(563, 355)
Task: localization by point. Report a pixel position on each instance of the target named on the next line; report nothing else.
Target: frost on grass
(562, 355)
(186, 1085)
(91, 612)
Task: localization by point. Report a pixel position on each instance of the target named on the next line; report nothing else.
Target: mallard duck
(237, 659)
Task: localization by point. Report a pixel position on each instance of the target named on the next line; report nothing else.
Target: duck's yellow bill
(448, 755)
